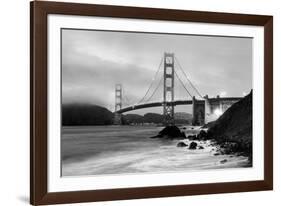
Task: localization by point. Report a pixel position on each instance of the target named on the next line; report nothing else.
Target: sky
(94, 61)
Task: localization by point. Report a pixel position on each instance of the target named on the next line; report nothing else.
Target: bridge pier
(207, 110)
(198, 112)
(117, 119)
(215, 107)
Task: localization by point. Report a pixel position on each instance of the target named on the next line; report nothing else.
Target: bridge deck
(154, 104)
(177, 102)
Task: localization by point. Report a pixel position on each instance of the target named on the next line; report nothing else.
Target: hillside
(85, 114)
(235, 126)
(153, 118)
(132, 119)
(180, 118)
(183, 118)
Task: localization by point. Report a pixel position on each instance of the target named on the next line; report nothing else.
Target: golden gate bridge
(204, 109)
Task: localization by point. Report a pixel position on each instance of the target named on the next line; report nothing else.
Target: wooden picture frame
(39, 11)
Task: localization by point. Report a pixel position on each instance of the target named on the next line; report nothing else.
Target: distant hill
(153, 118)
(85, 114)
(132, 119)
(183, 118)
(183, 115)
(180, 118)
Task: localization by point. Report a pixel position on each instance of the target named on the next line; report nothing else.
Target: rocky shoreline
(231, 134)
(200, 140)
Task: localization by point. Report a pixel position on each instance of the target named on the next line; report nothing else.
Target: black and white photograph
(139, 102)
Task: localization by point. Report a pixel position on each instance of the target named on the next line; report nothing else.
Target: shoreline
(134, 152)
(223, 147)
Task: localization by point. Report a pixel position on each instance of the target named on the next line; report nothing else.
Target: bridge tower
(168, 107)
(118, 104)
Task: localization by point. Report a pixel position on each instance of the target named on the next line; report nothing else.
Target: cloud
(223, 94)
(93, 80)
(94, 61)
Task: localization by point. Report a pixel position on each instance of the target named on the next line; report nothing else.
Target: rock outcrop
(170, 132)
(193, 145)
(233, 130)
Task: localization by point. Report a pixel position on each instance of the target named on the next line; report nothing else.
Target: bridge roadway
(177, 102)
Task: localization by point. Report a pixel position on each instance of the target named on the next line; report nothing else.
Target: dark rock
(170, 132)
(202, 135)
(216, 154)
(223, 161)
(230, 147)
(200, 147)
(181, 144)
(184, 128)
(192, 145)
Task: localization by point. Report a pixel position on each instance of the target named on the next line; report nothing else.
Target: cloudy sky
(94, 61)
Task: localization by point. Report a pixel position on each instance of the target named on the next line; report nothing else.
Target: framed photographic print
(131, 102)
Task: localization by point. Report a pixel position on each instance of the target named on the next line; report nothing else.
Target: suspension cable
(152, 81)
(155, 90)
(183, 84)
(177, 61)
(125, 100)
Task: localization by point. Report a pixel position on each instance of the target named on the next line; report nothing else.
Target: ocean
(113, 150)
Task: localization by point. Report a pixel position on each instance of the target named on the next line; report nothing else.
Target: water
(100, 150)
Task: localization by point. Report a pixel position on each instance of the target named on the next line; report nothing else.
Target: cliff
(234, 127)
